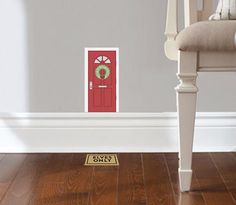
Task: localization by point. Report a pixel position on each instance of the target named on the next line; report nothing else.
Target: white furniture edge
(189, 63)
(171, 30)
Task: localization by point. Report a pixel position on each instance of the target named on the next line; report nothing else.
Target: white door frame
(86, 74)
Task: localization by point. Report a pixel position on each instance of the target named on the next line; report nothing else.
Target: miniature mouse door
(102, 80)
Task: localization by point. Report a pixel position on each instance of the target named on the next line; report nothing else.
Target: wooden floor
(140, 179)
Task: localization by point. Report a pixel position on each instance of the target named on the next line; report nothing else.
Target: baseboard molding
(112, 132)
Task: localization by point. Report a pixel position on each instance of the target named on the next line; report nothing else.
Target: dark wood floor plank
(234, 153)
(157, 182)
(51, 188)
(148, 179)
(65, 181)
(131, 190)
(9, 166)
(1, 156)
(104, 186)
(78, 181)
(226, 165)
(212, 186)
(22, 188)
(194, 197)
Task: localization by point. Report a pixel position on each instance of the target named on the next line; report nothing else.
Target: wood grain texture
(104, 186)
(226, 165)
(22, 188)
(157, 181)
(51, 187)
(190, 198)
(79, 180)
(131, 189)
(9, 167)
(1, 156)
(141, 179)
(211, 183)
(64, 181)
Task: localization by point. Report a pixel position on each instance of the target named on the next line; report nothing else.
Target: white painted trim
(86, 73)
(111, 132)
(85, 79)
(117, 80)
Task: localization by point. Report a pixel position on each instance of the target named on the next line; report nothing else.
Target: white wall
(42, 60)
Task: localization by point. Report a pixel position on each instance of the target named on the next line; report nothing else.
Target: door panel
(101, 81)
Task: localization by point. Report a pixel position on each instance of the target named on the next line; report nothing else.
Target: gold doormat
(101, 160)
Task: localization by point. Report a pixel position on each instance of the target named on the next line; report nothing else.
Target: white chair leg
(186, 106)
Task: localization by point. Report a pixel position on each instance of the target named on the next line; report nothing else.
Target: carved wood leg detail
(186, 107)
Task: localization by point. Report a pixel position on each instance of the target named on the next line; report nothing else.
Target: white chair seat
(208, 36)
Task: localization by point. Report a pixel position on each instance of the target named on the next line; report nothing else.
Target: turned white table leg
(186, 107)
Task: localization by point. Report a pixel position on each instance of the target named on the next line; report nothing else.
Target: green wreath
(102, 67)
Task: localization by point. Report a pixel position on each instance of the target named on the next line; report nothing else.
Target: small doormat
(101, 160)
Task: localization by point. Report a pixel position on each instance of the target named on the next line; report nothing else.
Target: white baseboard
(112, 132)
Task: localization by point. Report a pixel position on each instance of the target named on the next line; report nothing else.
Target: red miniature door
(102, 81)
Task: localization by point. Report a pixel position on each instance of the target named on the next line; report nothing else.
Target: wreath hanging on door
(98, 72)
